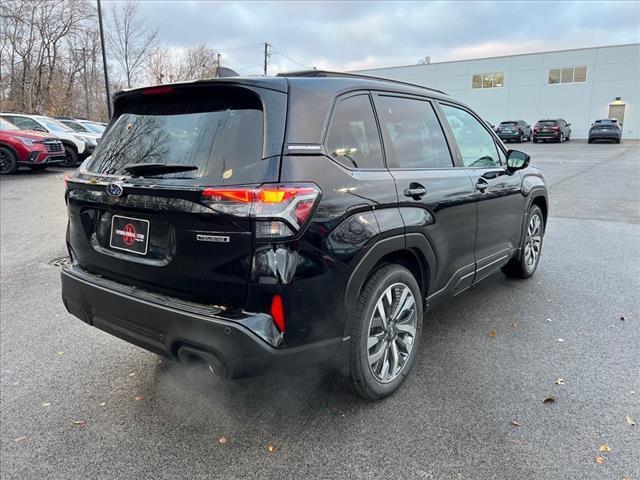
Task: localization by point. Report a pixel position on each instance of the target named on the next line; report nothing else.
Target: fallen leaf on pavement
(19, 439)
(222, 440)
(549, 399)
(79, 423)
(599, 460)
(560, 381)
(517, 441)
(514, 326)
(561, 340)
(604, 448)
(630, 421)
(102, 404)
(492, 333)
(515, 423)
(271, 448)
(548, 319)
(622, 318)
(60, 353)
(46, 404)
(132, 374)
(139, 397)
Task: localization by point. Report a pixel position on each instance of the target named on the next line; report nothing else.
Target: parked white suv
(77, 146)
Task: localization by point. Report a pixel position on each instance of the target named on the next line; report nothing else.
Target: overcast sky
(356, 35)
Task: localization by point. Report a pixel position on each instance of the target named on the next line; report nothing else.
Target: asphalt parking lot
(78, 403)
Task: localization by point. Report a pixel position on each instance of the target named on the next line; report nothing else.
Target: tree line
(51, 61)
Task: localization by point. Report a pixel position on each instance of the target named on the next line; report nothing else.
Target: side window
(27, 124)
(416, 137)
(476, 144)
(353, 138)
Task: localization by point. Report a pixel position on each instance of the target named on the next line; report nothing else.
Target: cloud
(354, 35)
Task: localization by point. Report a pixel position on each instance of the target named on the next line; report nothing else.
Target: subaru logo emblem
(114, 190)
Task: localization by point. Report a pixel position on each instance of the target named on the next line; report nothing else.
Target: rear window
(606, 122)
(509, 124)
(219, 131)
(547, 123)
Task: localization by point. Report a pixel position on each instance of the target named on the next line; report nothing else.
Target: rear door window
(413, 135)
(477, 146)
(220, 132)
(353, 138)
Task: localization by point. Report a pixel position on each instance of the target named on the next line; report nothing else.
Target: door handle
(482, 184)
(415, 191)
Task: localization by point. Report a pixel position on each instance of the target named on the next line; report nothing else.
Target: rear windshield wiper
(150, 169)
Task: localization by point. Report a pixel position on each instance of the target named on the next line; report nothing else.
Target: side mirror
(568, 124)
(517, 160)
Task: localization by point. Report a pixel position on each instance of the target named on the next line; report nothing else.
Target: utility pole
(104, 61)
(266, 56)
(218, 56)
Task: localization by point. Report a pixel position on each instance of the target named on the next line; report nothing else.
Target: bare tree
(130, 41)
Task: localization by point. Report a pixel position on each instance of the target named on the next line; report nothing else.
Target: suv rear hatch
(137, 208)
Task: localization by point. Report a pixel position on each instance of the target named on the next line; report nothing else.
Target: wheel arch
(412, 251)
(10, 148)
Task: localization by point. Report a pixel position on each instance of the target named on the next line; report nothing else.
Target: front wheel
(8, 161)
(521, 138)
(70, 157)
(386, 332)
(526, 263)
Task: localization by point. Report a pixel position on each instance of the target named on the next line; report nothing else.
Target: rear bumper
(604, 136)
(228, 343)
(546, 135)
(510, 136)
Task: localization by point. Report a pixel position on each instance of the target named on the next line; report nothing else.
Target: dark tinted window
(416, 137)
(220, 132)
(25, 123)
(509, 124)
(606, 122)
(353, 138)
(476, 144)
(548, 123)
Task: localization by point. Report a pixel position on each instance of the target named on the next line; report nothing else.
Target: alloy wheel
(533, 241)
(5, 162)
(392, 330)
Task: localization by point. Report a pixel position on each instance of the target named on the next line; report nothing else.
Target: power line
(277, 52)
(224, 50)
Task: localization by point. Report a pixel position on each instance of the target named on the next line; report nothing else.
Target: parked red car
(33, 149)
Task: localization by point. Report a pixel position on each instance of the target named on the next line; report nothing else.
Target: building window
(488, 80)
(567, 75)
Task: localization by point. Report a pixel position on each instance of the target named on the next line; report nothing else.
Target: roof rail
(327, 73)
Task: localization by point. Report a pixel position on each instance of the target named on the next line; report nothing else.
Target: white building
(578, 85)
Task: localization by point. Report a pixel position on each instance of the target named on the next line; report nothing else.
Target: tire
(522, 266)
(520, 138)
(70, 157)
(8, 161)
(617, 140)
(373, 378)
(535, 140)
(38, 168)
(589, 141)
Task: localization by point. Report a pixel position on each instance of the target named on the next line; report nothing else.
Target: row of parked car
(36, 141)
(557, 130)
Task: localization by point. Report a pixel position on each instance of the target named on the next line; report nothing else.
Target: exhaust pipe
(192, 355)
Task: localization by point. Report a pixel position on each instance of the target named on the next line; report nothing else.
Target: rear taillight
(277, 312)
(555, 129)
(281, 210)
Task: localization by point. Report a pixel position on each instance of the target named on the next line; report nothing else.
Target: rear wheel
(70, 157)
(8, 161)
(589, 141)
(386, 332)
(526, 263)
(521, 138)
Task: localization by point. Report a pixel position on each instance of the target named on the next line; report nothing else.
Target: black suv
(605, 129)
(518, 130)
(314, 216)
(557, 130)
